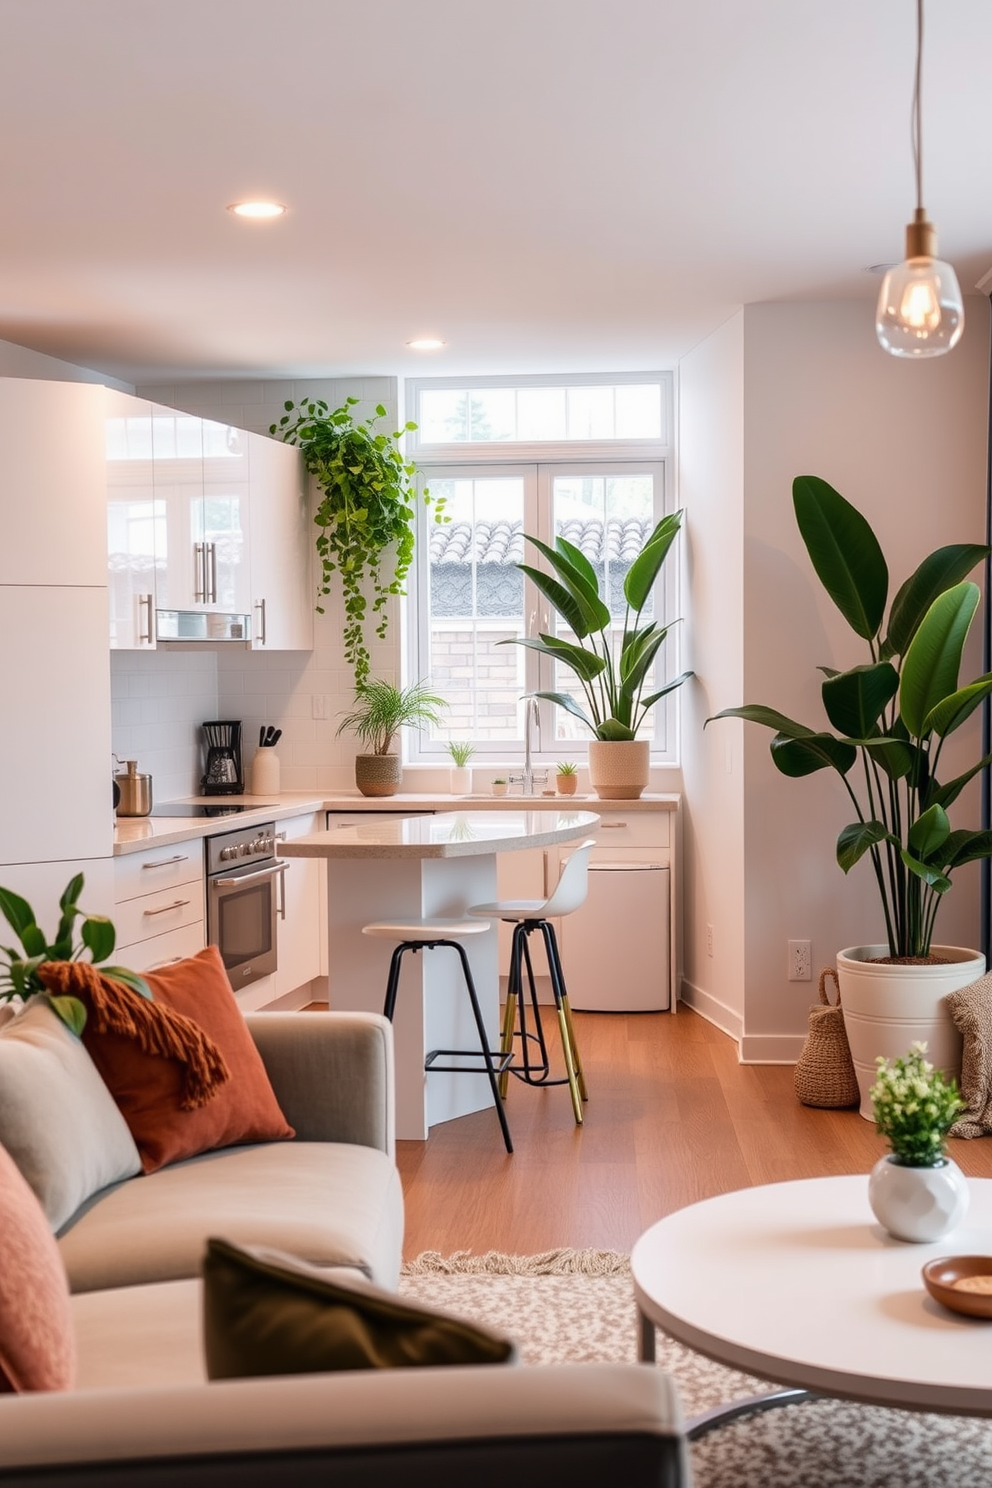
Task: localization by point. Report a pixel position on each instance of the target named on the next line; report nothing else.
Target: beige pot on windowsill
(378, 774)
(619, 769)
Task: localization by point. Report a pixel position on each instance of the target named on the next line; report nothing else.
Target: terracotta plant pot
(619, 769)
(378, 774)
(566, 784)
(888, 1007)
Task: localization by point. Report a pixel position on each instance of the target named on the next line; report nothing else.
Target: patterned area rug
(569, 1306)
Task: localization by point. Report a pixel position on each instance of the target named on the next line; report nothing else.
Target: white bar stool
(528, 916)
(427, 935)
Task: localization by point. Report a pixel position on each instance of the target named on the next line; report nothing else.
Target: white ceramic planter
(460, 780)
(918, 1204)
(619, 769)
(889, 1007)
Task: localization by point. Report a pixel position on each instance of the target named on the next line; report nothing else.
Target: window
(469, 598)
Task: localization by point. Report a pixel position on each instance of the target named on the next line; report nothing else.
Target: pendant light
(920, 311)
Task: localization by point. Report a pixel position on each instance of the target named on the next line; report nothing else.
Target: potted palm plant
(381, 709)
(614, 673)
(890, 716)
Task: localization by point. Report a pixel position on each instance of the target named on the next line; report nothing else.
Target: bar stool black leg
(484, 1045)
(393, 981)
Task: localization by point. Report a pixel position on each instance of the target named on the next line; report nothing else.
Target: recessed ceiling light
(257, 209)
(425, 343)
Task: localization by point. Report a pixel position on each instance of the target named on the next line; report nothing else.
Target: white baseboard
(771, 1048)
(712, 1009)
(300, 997)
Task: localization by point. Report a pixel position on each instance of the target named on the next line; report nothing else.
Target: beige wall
(906, 443)
(711, 488)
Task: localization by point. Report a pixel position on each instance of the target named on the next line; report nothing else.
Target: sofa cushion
(58, 1120)
(334, 1204)
(149, 1089)
(37, 1350)
(267, 1313)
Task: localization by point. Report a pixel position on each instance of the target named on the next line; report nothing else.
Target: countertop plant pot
(888, 1007)
(566, 784)
(918, 1204)
(378, 774)
(619, 769)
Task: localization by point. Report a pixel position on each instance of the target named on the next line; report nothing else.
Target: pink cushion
(37, 1345)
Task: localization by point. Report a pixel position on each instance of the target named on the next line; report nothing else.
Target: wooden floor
(672, 1117)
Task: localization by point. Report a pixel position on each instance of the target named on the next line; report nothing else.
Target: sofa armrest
(584, 1424)
(332, 1074)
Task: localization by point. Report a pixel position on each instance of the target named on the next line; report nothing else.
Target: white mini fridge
(615, 950)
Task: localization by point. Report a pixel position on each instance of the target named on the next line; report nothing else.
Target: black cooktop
(218, 808)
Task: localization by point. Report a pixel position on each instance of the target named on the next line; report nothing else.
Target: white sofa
(143, 1411)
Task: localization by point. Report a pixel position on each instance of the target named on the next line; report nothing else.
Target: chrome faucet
(531, 715)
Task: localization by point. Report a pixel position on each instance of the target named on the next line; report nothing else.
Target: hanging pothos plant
(366, 515)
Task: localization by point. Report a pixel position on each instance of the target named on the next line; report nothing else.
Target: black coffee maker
(224, 775)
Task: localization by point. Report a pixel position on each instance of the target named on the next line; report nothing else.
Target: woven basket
(825, 1071)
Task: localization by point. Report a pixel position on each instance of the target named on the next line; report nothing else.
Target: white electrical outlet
(709, 940)
(318, 705)
(800, 961)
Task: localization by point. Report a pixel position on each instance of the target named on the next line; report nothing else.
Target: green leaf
(637, 657)
(644, 570)
(71, 1011)
(931, 665)
(929, 832)
(945, 795)
(952, 712)
(16, 911)
(98, 936)
(758, 713)
(854, 700)
(596, 615)
(585, 664)
(646, 702)
(931, 876)
(71, 892)
(895, 756)
(568, 607)
(613, 729)
(935, 575)
(579, 562)
(129, 978)
(569, 704)
(844, 552)
(804, 756)
(966, 847)
(33, 940)
(854, 841)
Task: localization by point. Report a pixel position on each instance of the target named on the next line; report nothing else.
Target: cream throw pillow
(58, 1120)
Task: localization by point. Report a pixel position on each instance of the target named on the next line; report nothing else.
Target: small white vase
(918, 1204)
(459, 780)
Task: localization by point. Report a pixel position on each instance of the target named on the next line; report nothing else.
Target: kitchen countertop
(449, 834)
(135, 833)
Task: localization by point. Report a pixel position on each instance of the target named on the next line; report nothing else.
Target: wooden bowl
(940, 1276)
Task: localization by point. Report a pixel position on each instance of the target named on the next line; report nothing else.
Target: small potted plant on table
(566, 779)
(460, 776)
(381, 710)
(916, 1191)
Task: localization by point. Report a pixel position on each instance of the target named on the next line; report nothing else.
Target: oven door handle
(247, 878)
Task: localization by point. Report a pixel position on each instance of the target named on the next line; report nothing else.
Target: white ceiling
(548, 184)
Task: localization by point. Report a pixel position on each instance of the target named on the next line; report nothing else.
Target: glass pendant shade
(920, 310)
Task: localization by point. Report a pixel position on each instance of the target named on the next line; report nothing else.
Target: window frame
(538, 462)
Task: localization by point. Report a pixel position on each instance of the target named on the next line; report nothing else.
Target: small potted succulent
(566, 779)
(916, 1191)
(381, 709)
(460, 776)
(500, 786)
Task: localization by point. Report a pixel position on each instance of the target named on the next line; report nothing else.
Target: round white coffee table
(796, 1282)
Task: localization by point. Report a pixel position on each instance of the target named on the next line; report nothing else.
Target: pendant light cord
(917, 124)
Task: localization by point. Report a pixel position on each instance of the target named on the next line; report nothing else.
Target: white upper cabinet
(282, 588)
(177, 475)
(224, 530)
(135, 523)
(52, 492)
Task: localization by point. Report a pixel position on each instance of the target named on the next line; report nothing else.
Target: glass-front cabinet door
(135, 523)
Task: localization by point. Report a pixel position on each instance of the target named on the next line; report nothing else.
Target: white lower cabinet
(304, 894)
(159, 905)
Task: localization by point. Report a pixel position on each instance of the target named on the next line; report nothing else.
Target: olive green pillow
(266, 1313)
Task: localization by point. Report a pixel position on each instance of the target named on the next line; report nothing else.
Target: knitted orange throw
(113, 1007)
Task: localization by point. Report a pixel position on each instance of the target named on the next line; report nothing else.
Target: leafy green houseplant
(460, 753)
(612, 674)
(890, 714)
(366, 514)
(19, 967)
(380, 710)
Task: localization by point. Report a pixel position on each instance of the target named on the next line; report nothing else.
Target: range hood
(201, 625)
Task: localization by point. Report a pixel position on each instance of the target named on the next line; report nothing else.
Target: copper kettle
(135, 791)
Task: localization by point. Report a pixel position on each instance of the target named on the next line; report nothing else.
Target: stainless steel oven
(246, 897)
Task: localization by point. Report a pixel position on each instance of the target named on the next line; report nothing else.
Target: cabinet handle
(611, 826)
(199, 572)
(165, 862)
(176, 904)
(145, 638)
(260, 607)
(212, 556)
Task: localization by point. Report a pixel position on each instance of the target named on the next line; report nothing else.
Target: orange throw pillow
(37, 1344)
(151, 1090)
